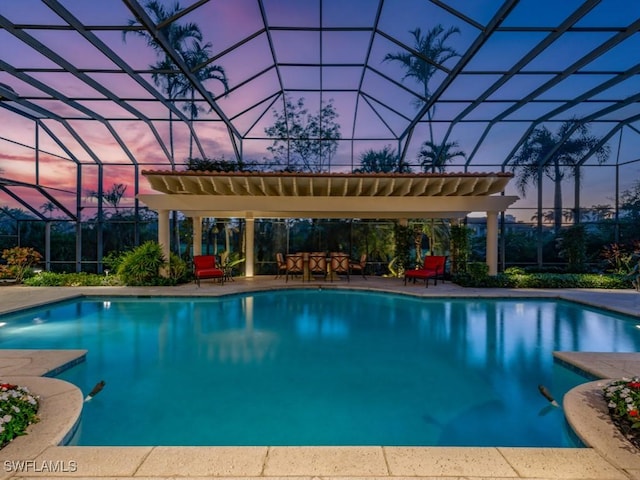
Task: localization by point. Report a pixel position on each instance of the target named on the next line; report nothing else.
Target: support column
(492, 242)
(250, 230)
(163, 236)
(197, 235)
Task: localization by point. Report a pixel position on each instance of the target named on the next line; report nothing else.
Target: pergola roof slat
(327, 185)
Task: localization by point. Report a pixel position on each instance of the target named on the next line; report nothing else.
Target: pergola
(252, 195)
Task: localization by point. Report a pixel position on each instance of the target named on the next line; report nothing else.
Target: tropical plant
(196, 58)
(185, 39)
(112, 196)
(48, 208)
(620, 258)
(142, 265)
(435, 157)
(431, 52)
(630, 208)
(79, 279)
(556, 156)
(404, 237)
(179, 36)
(20, 260)
(302, 141)
(623, 400)
(572, 247)
(178, 269)
(460, 248)
(381, 161)
(18, 410)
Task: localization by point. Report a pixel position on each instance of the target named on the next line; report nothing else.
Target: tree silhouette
(185, 39)
(302, 141)
(381, 161)
(112, 197)
(196, 59)
(431, 51)
(182, 37)
(435, 157)
(48, 208)
(557, 158)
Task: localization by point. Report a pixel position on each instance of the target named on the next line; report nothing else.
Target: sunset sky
(98, 104)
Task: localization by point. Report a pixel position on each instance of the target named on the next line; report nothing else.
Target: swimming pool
(310, 367)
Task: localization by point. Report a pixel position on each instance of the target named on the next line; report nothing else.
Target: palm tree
(434, 157)
(547, 217)
(113, 196)
(166, 75)
(430, 46)
(48, 208)
(381, 161)
(556, 158)
(194, 58)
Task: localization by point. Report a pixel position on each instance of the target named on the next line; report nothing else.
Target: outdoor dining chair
(359, 266)
(318, 264)
(281, 265)
(295, 265)
(339, 264)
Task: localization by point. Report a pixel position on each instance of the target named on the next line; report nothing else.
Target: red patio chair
(433, 267)
(204, 266)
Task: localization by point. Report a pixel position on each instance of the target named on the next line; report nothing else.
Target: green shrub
(514, 271)
(544, 269)
(572, 246)
(81, 279)
(112, 260)
(178, 270)
(514, 278)
(141, 266)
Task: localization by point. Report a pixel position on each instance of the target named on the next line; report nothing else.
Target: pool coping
(597, 461)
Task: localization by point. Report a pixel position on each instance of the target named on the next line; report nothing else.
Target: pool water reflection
(311, 367)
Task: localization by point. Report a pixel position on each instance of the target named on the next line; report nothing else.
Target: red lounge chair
(433, 267)
(204, 266)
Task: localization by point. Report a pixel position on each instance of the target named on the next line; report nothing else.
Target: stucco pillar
(250, 241)
(197, 235)
(164, 238)
(492, 242)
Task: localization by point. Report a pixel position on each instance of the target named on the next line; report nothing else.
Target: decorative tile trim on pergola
(251, 195)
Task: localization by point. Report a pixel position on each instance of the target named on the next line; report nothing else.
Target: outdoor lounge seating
(204, 266)
(433, 267)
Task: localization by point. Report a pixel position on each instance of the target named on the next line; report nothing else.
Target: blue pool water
(310, 367)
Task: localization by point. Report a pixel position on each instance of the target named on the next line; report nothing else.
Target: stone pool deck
(37, 454)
